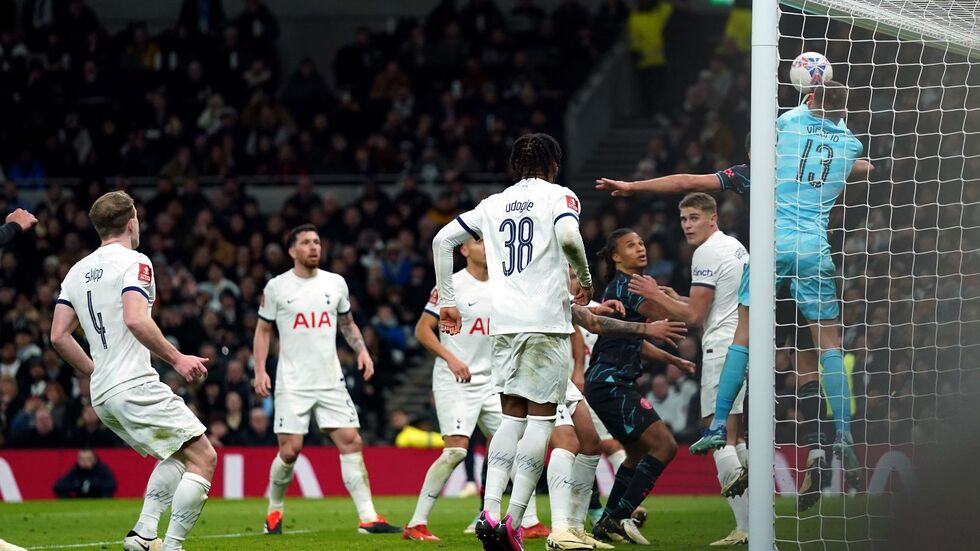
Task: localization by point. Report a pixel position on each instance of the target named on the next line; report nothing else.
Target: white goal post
(905, 243)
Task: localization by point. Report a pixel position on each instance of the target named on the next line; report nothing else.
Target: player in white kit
(461, 383)
(531, 235)
(110, 294)
(716, 272)
(308, 305)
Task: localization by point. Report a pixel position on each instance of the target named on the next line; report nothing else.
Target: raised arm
(136, 314)
(600, 325)
(63, 324)
(693, 312)
(352, 334)
(426, 332)
(665, 185)
(452, 235)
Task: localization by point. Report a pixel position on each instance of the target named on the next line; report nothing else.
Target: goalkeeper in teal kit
(815, 154)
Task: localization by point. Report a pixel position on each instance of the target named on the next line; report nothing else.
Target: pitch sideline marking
(208, 537)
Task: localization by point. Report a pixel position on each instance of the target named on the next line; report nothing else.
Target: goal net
(905, 245)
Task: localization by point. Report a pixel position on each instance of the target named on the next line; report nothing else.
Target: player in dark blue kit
(610, 389)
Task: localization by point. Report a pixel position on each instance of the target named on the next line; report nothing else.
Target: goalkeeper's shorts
(803, 261)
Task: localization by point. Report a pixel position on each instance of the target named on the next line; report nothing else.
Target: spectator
(258, 433)
(34, 427)
(646, 30)
(89, 477)
(91, 433)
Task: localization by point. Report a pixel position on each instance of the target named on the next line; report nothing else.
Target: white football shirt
(306, 311)
(93, 288)
(718, 264)
(472, 344)
(528, 270)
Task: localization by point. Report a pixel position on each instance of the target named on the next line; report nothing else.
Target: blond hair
(701, 201)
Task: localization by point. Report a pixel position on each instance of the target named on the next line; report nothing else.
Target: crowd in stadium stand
(209, 96)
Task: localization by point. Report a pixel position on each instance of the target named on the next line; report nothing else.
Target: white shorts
(533, 366)
(151, 419)
(710, 377)
(332, 408)
(565, 411)
(460, 410)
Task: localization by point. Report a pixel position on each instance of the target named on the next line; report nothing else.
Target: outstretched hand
(618, 188)
(670, 332)
(645, 286)
(610, 308)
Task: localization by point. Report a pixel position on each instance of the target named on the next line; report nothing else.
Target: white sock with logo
(583, 473)
(529, 461)
(355, 476)
(500, 461)
(159, 494)
(560, 488)
(189, 499)
(280, 475)
(435, 480)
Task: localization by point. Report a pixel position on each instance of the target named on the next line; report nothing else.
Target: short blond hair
(111, 212)
(701, 201)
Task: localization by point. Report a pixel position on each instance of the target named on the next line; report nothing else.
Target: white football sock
(435, 480)
(743, 454)
(355, 476)
(530, 462)
(583, 473)
(500, 461)
(726, 463)
(159, 493)
(617, 459)
(740, 506)
(280, 475)
(189, 499)
(560, 488)
(531, 511)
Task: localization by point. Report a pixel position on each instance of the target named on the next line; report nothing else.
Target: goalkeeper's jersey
(814, 156)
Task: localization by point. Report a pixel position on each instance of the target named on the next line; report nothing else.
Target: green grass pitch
(676, 524)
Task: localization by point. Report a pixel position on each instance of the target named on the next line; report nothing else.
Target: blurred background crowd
(433, 104)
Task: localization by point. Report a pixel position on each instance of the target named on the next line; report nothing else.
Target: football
(810, 69)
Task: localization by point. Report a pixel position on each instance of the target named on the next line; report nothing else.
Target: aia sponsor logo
(313, 321)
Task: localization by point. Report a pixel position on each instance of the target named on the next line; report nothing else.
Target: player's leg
(541, 377)
(154, 421)
(337, 416)
(293, 410)
(200, 460)
(732, 476)
(280, 476)
(503, 447)
(816, 294)
(809, 404)
(732, 376)
(564, 446)
(452, 455)
(583, 472)
(650, 447)
(457, 419)
(355, 476)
